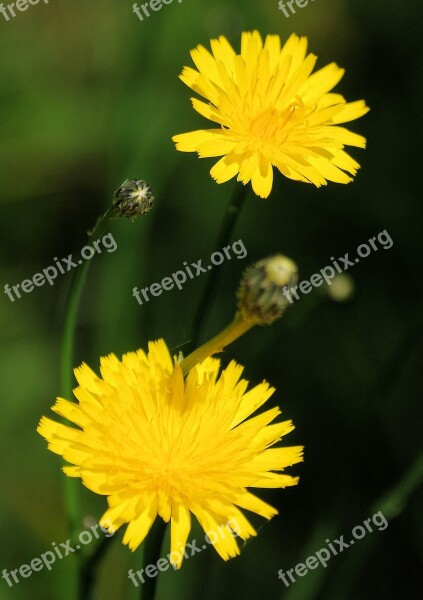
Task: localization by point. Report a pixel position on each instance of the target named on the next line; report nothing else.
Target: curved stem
(71, 311)
(71, 486)
(395, 500)
(233, 331)
(229, 220)
(390, 505)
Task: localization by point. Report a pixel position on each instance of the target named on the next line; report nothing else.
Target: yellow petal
(189, 142)
(262, 178)
(226, 168)
(138, 528)
(180, 528)
(351, 111)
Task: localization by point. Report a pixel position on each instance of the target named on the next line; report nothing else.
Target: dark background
(89, 96)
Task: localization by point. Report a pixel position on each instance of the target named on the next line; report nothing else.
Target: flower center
(271, 126)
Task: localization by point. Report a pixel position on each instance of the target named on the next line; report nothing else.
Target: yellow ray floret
(272, 111)
(157, 444)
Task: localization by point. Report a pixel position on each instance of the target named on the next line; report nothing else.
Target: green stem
(228, 335)
(88, 570)
(230, 217)
(71, 485)
(152, 552)
(391, 504)
(394, 502)
(71, 311)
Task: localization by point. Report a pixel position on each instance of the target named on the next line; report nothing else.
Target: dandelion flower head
(272, 111)
(157, 444)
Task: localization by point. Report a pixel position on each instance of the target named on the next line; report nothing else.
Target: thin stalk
(230, 217)
(71, 311)
(88, 570)
(228, 335)
(391, 505)
(152, 552)
(71, 486)
(395, 500)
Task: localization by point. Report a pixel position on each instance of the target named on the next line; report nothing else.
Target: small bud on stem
(261, 301)
(133, 198)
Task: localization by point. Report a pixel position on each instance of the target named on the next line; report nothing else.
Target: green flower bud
(133, 198)
(262, 292)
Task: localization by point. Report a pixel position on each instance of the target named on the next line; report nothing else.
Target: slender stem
(152, 552)
(233, 210)
(88, 570)
(71, 311)
(71, 487)
(233, 331)
(394, 502)
(391, 504)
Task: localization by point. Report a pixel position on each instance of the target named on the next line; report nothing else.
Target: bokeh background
(90, 96)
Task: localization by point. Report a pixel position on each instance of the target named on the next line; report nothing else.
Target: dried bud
(262, 293)
(133, 198)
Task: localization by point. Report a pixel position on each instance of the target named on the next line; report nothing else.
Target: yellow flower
(157, 444)
(272, 112)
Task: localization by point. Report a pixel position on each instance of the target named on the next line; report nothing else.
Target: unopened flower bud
(262, 293)
(133, 198)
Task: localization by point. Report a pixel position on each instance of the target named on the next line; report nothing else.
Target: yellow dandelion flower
(272, 112)
(157, 444)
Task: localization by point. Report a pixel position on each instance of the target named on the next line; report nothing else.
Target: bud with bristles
(262, 298)
(262, 293)
(133, 198)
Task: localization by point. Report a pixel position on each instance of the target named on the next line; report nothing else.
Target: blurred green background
(90, 96)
